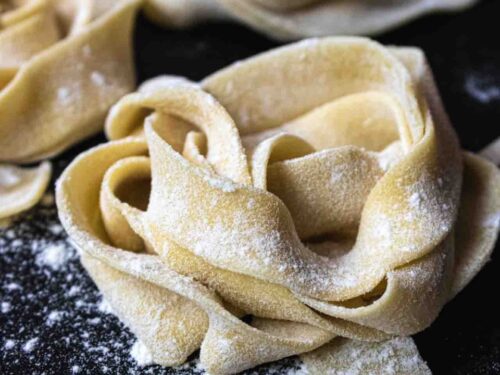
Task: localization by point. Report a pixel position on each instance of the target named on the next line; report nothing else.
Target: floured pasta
(287, 20)
(63, 63)
(317, 189)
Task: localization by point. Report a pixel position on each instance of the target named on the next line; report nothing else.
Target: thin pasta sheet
(295, 19)
(317, 189)
(62, 65)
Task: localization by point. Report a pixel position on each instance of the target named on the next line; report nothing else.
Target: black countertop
(52, 319)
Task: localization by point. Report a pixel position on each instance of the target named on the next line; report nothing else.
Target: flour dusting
(30, 345)
(141, 354)
(483, 88)
(97, 78)
(64, 95)
(9, 177)
(54, 256)
(5, 307)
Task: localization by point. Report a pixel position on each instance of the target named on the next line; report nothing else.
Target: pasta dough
(315, 188)
(287, 20)
(21, 188)
(62, 65)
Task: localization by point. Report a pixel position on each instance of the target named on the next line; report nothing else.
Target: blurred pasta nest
(317, 189)
(63, 63)
(295, 19)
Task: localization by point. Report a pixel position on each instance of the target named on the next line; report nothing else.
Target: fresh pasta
(288, 20)
(62, 65)
(318, 189)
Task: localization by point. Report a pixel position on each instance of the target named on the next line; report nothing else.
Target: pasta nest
(62, 65)
(317, 188)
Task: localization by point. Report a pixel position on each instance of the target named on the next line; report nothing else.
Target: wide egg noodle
(62, 65)
(288, 20)
(215, 193)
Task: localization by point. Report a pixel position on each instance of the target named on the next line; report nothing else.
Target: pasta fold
(62, 65)
(288, 20)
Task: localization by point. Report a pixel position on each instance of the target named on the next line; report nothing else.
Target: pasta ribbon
(62, 65)
(295, 19)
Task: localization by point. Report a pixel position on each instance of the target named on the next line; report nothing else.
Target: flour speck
(141, 354)
(13, 286)
(54, 316)
(30, 345)
(415, 200)
(482, 88)
(9, 344)
(64, 95)
(97, 78)
(54, 256)
(105, 307)
(9, 177)
(5, 307)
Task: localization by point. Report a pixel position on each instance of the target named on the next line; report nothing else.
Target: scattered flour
(73, 291)
(9, 177)
(5, 307)
(54, 316)
(54, 256)
(9, 344)
(338, 174)
(482, 88)
(105, 307)
(251, 203)
(141, 354)
(95, 321)
(13, 286)
(223, 184)
(30, 345)
(64, 95)
(97, 78)
(56, 229)
(415, 200)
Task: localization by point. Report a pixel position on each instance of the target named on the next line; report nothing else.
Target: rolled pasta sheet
(288, 20)
(318, 189)
(62, 65)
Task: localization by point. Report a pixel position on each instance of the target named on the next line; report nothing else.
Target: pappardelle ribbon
(318, 189)
(63, 63)
(295, 19)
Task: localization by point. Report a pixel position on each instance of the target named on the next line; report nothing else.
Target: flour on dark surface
(484, 86)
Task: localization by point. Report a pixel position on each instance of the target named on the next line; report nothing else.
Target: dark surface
(60, 305)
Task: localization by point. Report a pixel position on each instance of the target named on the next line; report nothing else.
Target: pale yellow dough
(21, 188)
(295, 19)
(63, 63)
(318, 187)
